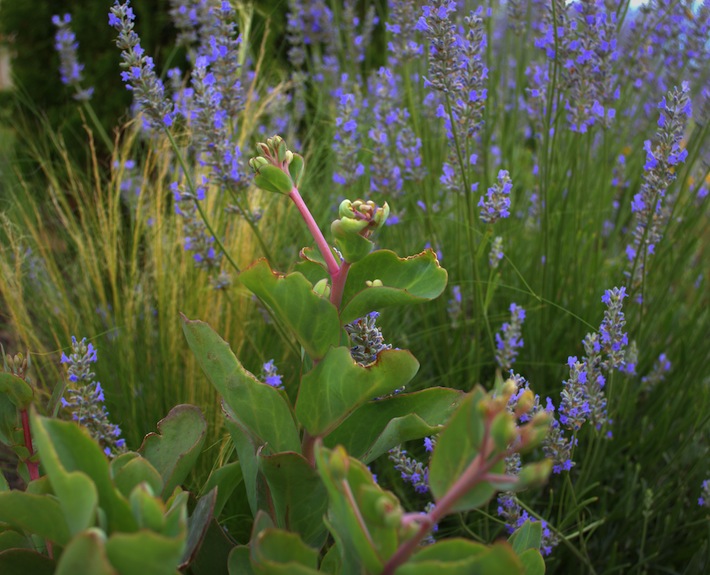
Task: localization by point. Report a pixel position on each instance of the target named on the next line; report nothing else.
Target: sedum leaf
(337, 386)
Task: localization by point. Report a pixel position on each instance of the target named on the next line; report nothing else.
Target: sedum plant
(302, 452)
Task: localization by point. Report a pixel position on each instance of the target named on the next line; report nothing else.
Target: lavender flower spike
(85, 396)
(495, 204)
(69, 66)
(139, 69)
(510, 339)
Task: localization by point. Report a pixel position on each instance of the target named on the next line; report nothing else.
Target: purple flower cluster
(85, 398)
(509, 340)
(658, 373)
(69, 67)
(413, 471)
(650, 213)
(704, 499)
(347, 139)
(403, 45)
(583, 393)
(495, 205)
(196, 238)
(270, 375)
(396, 150)
(139, 70)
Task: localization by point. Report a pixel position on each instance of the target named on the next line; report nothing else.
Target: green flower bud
(534, 474)
(339, 463)
(296, 169)
(503, 430)
(345, 210)
(258, 162)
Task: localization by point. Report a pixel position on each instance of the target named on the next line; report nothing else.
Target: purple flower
(495, 204)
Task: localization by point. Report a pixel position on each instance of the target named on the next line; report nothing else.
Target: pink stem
(473, 475)
(32, 467)
(338, 280)
(323, 246)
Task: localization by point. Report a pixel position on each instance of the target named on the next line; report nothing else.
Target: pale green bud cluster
(357, 221)
(277, 169)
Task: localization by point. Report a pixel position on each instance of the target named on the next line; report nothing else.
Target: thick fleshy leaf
(86, 555)
(78, 471)
(379, 425)
(11, 539)
(365, 540)
(76, 492)
(17, 390)
(409, 280)
(527, 536)
(225, 479)
(273, 179)
(24, 561)
(532, 561)
(175, 448)
(198, 525)
(260, 409)
(312, 318)
(145, 552)
(337, 386)
(460, 557)
(135, 471)
(299, 496)
(239, 562)
(278, 552)
(248, 450)
(37, 514)
(457, 446)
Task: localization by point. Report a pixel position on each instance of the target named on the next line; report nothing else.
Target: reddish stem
(338, 284)
(32, 467)
(472, 476)
(326, 252)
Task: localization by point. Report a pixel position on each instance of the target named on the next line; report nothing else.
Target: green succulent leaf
(239, 562)
(145, 552)
(37, 514)
(337, 386)
(532, 561)
(133, 471)
(527, 536)
(16, 389)
(378, 426)
(273, 179)
(364, 540)
(462, 557)
(278, 552)
(76, 492)
(415, 279)
(79, 472)
(86, 555)
(198, 525)
(226, 479)
(457, 446)
(299, 496)
(262, 410)
(312, 318)
(175, 448)
(24, 561)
